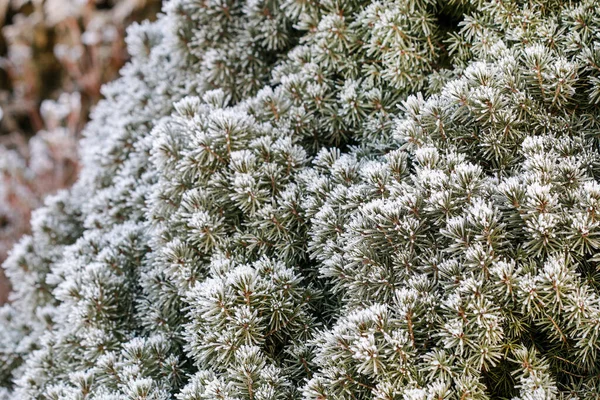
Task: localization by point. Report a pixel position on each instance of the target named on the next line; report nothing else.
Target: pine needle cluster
(344, 199)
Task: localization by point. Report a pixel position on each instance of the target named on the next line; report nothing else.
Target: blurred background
(54, 57)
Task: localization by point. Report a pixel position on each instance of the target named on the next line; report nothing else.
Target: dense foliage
(285, 199)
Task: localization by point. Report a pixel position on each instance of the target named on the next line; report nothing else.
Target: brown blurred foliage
(54, 57)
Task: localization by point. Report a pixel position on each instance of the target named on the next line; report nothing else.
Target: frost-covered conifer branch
(326, 200)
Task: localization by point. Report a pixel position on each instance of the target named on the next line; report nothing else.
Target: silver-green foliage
(343, 199)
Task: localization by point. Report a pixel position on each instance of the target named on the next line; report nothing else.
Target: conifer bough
(291, 199)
